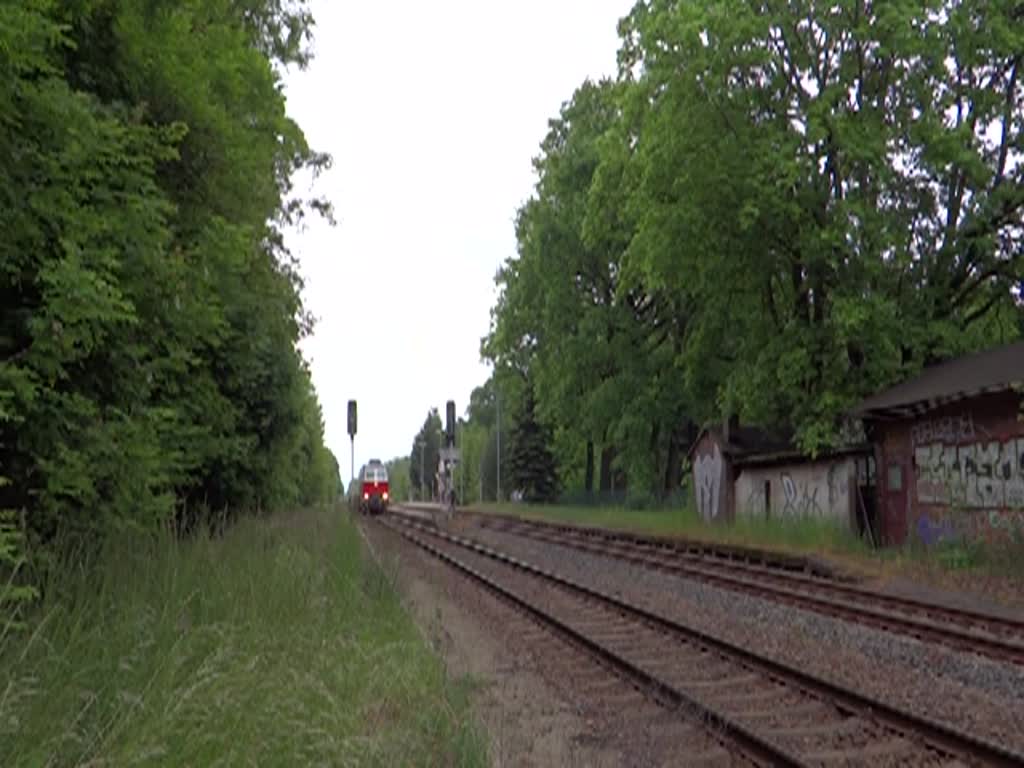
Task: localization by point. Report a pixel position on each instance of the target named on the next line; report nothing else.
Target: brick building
(949, 447)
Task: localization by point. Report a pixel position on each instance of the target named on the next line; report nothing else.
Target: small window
(895, 477)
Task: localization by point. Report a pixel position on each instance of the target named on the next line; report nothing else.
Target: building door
(866, 503)
(894, 524)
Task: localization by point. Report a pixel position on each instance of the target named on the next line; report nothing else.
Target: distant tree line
(772, 211)
(149, 310)
(398, 478)
(526, 462)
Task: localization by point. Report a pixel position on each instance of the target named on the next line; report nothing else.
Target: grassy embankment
(998, 570)
(802, 536)
(281, 643)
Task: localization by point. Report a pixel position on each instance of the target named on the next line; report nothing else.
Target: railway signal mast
(352, 436)
(449, 455)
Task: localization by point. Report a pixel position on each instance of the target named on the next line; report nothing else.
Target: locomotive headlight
(366, 496)
(385, 495)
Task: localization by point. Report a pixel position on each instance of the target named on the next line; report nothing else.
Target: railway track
(780, 561)
(775, 714)
(990, 636)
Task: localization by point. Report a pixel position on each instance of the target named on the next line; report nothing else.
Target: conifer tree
(532, 462)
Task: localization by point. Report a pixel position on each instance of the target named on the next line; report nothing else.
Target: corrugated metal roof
(746, 440)
(750, 446)
(800, 457)
(994, 370)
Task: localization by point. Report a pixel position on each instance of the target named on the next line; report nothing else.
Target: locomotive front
(375, 488)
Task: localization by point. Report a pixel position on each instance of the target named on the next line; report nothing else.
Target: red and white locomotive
(373, 488)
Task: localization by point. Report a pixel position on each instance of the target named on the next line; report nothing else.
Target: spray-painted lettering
(801, 501)
(981, 475)
(1006, 522)
(958, 429)
(707, 472)
(933, 531)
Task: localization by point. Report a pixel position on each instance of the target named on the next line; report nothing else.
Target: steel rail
(755, 747)
(935, 734)
(954, 636)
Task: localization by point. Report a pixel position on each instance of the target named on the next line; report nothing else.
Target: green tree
(426, 452)
(149, 312)
(837, 190)
(775, 210)
(533, 466)
(600, 345)
(399, 479)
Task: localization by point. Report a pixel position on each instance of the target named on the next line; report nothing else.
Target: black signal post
(352, 435)
(450, 454)
(450, 422)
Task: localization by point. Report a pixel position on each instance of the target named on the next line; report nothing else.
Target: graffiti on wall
(934, 531)
(707, 471)
(809, 489)
(838, 484)
(801, 500)
(979, 475)
(952, 429)
(757, 500)
(1005, 522)
(934, 527)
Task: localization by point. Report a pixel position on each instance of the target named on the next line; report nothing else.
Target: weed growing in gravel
(279, 643)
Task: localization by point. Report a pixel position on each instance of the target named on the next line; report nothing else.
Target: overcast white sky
(432, 113)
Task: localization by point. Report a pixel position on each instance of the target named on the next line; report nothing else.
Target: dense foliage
(774, 210)
(149, 311)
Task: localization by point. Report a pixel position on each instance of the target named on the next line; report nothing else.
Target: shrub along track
(991, 636)
(775, 714)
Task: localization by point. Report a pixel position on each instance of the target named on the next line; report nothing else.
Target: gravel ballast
(968, 692)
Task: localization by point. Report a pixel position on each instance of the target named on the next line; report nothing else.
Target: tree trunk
(683, 438)
(674, 464)
(655, 451)
(588, 482)
(607, 457)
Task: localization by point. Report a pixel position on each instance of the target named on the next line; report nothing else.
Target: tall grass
(280, 643)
